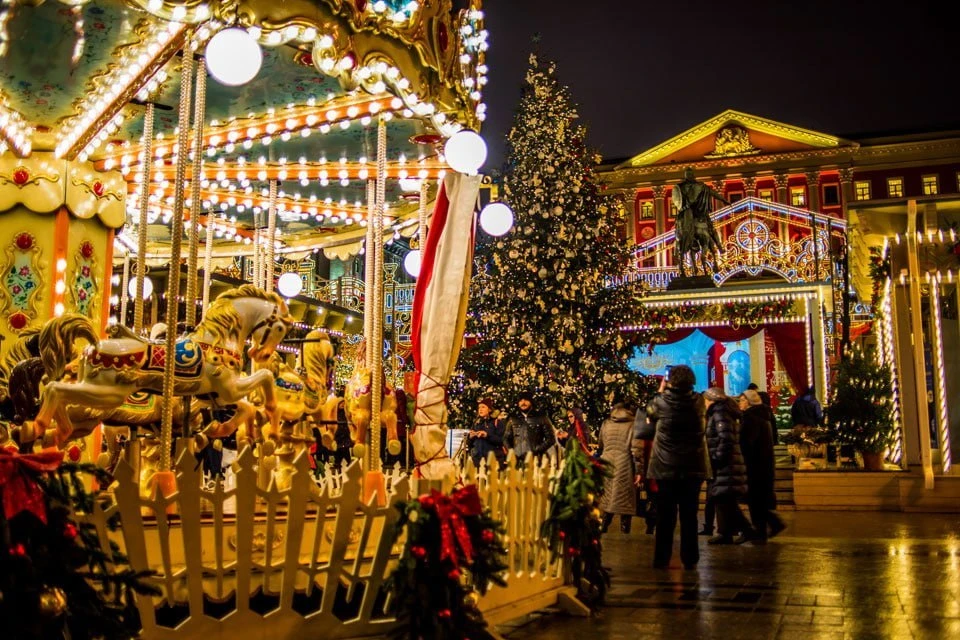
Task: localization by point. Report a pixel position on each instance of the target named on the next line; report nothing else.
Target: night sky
(644, 71)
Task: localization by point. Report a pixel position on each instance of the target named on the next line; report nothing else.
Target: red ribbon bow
(451, 510)
(21, 492)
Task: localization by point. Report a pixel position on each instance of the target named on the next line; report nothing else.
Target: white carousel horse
(358, 398)
(208, 361)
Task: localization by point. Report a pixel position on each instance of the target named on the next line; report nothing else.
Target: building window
(673, 209)
(861, 189)
(930, 185)
(767, 194)
(798, 196)
(894, 187)
(646, 210)
(831, 195)
(736, 196)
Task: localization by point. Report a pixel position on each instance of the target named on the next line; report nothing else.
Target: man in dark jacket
(729, 471)
(675, 423)
(756, 442)
(806, 410)
(529, 430)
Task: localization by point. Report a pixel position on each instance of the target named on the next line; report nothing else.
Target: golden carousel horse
(321, 402)
(208, 361)
(358, 405)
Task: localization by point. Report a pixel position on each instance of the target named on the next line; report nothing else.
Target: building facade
(820, 212)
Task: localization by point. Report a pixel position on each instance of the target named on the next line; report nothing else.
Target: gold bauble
(595, 514)
(53, 602)
(590, 498)
(472, 599)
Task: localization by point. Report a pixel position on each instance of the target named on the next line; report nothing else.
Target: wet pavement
(830, 575)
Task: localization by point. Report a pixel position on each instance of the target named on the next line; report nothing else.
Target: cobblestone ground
(830, 575)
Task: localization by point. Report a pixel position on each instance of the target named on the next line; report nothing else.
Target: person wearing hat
(529, 430)
(756, 443)
(486, 436)
(729, 471)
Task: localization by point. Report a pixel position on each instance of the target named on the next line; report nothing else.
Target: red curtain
(789, 339)
(793, 351)
(716, 366)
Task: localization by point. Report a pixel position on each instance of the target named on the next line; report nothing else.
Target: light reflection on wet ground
(831, 575)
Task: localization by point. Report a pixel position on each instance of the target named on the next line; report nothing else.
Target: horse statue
(208, 361)
(696, 238)
(358, 405)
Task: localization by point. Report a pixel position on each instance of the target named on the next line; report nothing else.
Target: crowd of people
(661, 457)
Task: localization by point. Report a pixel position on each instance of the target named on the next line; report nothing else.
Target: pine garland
(55, 579)
(572, 528)
(453, 553)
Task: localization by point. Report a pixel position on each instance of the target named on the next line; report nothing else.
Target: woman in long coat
(756, 442)
(729, 471)
(619, 493)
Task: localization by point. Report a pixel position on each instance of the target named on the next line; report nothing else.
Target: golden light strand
(199, 113)
(142, 222)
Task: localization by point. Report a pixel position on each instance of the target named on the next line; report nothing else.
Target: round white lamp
(147, 287)
(496, 219)
(289, 284)
(233, 57)
(465, 152)
(411, 263)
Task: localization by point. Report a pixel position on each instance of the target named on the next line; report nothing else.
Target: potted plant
(861, 409)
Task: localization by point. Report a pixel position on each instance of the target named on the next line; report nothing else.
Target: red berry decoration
(488, 536)
(572, 552)
(418, 552)
(20, 176)
(454, 574)
(70, 531)
(443, 613)
(18, 550)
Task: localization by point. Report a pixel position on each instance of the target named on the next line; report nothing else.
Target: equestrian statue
(695, 233)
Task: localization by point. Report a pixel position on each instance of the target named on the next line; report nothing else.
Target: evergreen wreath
(55, 579)
(572, 528)
(453, 552)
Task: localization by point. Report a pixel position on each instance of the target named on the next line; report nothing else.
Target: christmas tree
(783, 415)
(861, 411)
(543, 314)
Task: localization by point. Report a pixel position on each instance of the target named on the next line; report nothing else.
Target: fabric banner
(439, 316)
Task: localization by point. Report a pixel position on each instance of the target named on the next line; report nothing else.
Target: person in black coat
(675, 423)
(529, 430)
(486, 436)
(729, 471)
(756, 443)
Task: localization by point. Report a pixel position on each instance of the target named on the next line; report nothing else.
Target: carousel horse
(321, 402)
(358, 405)
(208, 361)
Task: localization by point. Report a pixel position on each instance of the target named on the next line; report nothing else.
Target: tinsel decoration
(55, 579)
(861, 408)
(453, 553)
(572, 527)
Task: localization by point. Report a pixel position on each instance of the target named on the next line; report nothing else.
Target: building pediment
(733, 134)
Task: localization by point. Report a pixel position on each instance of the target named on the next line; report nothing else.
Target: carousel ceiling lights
(234, 57)
(15, 133)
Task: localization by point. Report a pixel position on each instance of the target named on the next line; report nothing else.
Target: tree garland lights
(543, 318)
(573, 525)
(453, 552)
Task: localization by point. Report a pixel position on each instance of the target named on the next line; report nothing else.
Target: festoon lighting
(465, 151)
(496, 219)
(289, 284)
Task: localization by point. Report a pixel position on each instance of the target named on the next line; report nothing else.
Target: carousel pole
(199, 114)
(375, 484)
(422, 228)
(368, 277)
(207, 262)
(256, 249)
(124, 285)
(271, 239)
(165, 475)
(142, 222)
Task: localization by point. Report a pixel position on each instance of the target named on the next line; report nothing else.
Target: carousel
(167, 168)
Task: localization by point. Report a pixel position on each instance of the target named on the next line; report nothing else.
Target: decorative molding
(21, 287)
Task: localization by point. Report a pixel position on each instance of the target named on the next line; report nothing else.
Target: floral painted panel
(22, 281)
(84, 289)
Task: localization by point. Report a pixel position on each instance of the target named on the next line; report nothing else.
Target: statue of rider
(695, 231)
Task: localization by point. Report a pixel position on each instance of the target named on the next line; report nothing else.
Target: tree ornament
(53, 602)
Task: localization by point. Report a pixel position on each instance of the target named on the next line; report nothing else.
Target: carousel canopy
(76, 75)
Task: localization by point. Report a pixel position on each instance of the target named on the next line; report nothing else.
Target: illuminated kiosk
(342, 102)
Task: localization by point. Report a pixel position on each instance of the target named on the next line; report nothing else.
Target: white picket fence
(310, 560)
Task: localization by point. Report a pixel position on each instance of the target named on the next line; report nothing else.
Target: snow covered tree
(543, 314)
